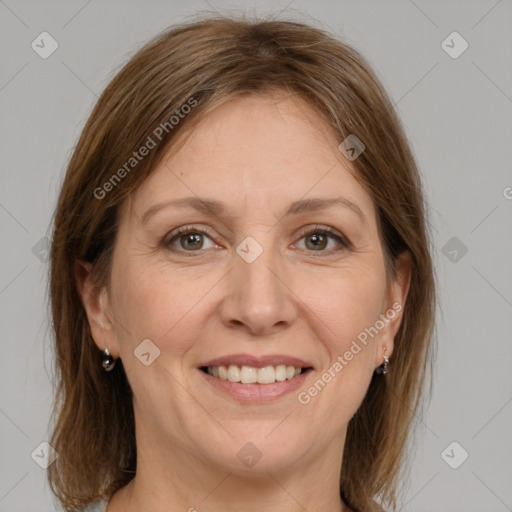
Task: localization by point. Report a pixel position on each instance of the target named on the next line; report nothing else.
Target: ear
(96, 304)
(394, 305)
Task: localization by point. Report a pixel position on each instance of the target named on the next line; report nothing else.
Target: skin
(294, 299)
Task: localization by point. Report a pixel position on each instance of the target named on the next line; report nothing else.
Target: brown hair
(212, 60)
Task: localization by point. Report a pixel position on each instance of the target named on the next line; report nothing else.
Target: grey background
(458, 116)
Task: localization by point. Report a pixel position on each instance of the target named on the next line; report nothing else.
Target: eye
(317, 240)
(189, 239)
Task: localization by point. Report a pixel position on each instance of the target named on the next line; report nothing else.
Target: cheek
(346, 307)
(157, 304)
(343, 312)
(346, 304)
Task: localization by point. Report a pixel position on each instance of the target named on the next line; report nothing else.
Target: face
(251, 245)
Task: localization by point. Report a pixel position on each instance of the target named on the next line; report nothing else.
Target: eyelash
(324, 230)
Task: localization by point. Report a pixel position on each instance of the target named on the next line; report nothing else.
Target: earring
(108, 362)
(383, 368)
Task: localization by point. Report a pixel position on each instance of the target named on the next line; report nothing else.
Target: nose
(258, 298)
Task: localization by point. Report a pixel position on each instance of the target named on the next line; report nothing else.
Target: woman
(241, 283)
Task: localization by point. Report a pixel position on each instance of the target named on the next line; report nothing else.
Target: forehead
(260, 151)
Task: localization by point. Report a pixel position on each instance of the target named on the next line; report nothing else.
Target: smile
(255, 384)
(252, 374)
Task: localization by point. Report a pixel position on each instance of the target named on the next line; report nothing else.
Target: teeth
(233, 373)
(281, 372)
(252, 375)
(266, 375)
(223, 372)
(248, 375)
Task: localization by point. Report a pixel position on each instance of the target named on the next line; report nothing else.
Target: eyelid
(319, 227)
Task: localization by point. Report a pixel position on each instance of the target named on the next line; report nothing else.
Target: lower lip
(256, 392)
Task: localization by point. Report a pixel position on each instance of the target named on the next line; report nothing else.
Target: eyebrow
(212, 206)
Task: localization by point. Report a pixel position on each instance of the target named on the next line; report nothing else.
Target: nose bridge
(259, 298)
(257, 267)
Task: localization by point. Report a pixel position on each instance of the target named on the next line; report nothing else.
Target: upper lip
(258, 361)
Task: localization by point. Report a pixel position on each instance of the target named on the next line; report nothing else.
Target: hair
(213, 59)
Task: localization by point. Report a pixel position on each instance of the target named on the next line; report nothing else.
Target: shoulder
(96, 506)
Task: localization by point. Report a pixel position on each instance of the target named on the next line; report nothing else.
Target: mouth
(251, 379)
(255, 375)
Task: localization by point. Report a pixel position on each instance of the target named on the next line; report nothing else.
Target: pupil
(194, 239)
(319, 241)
